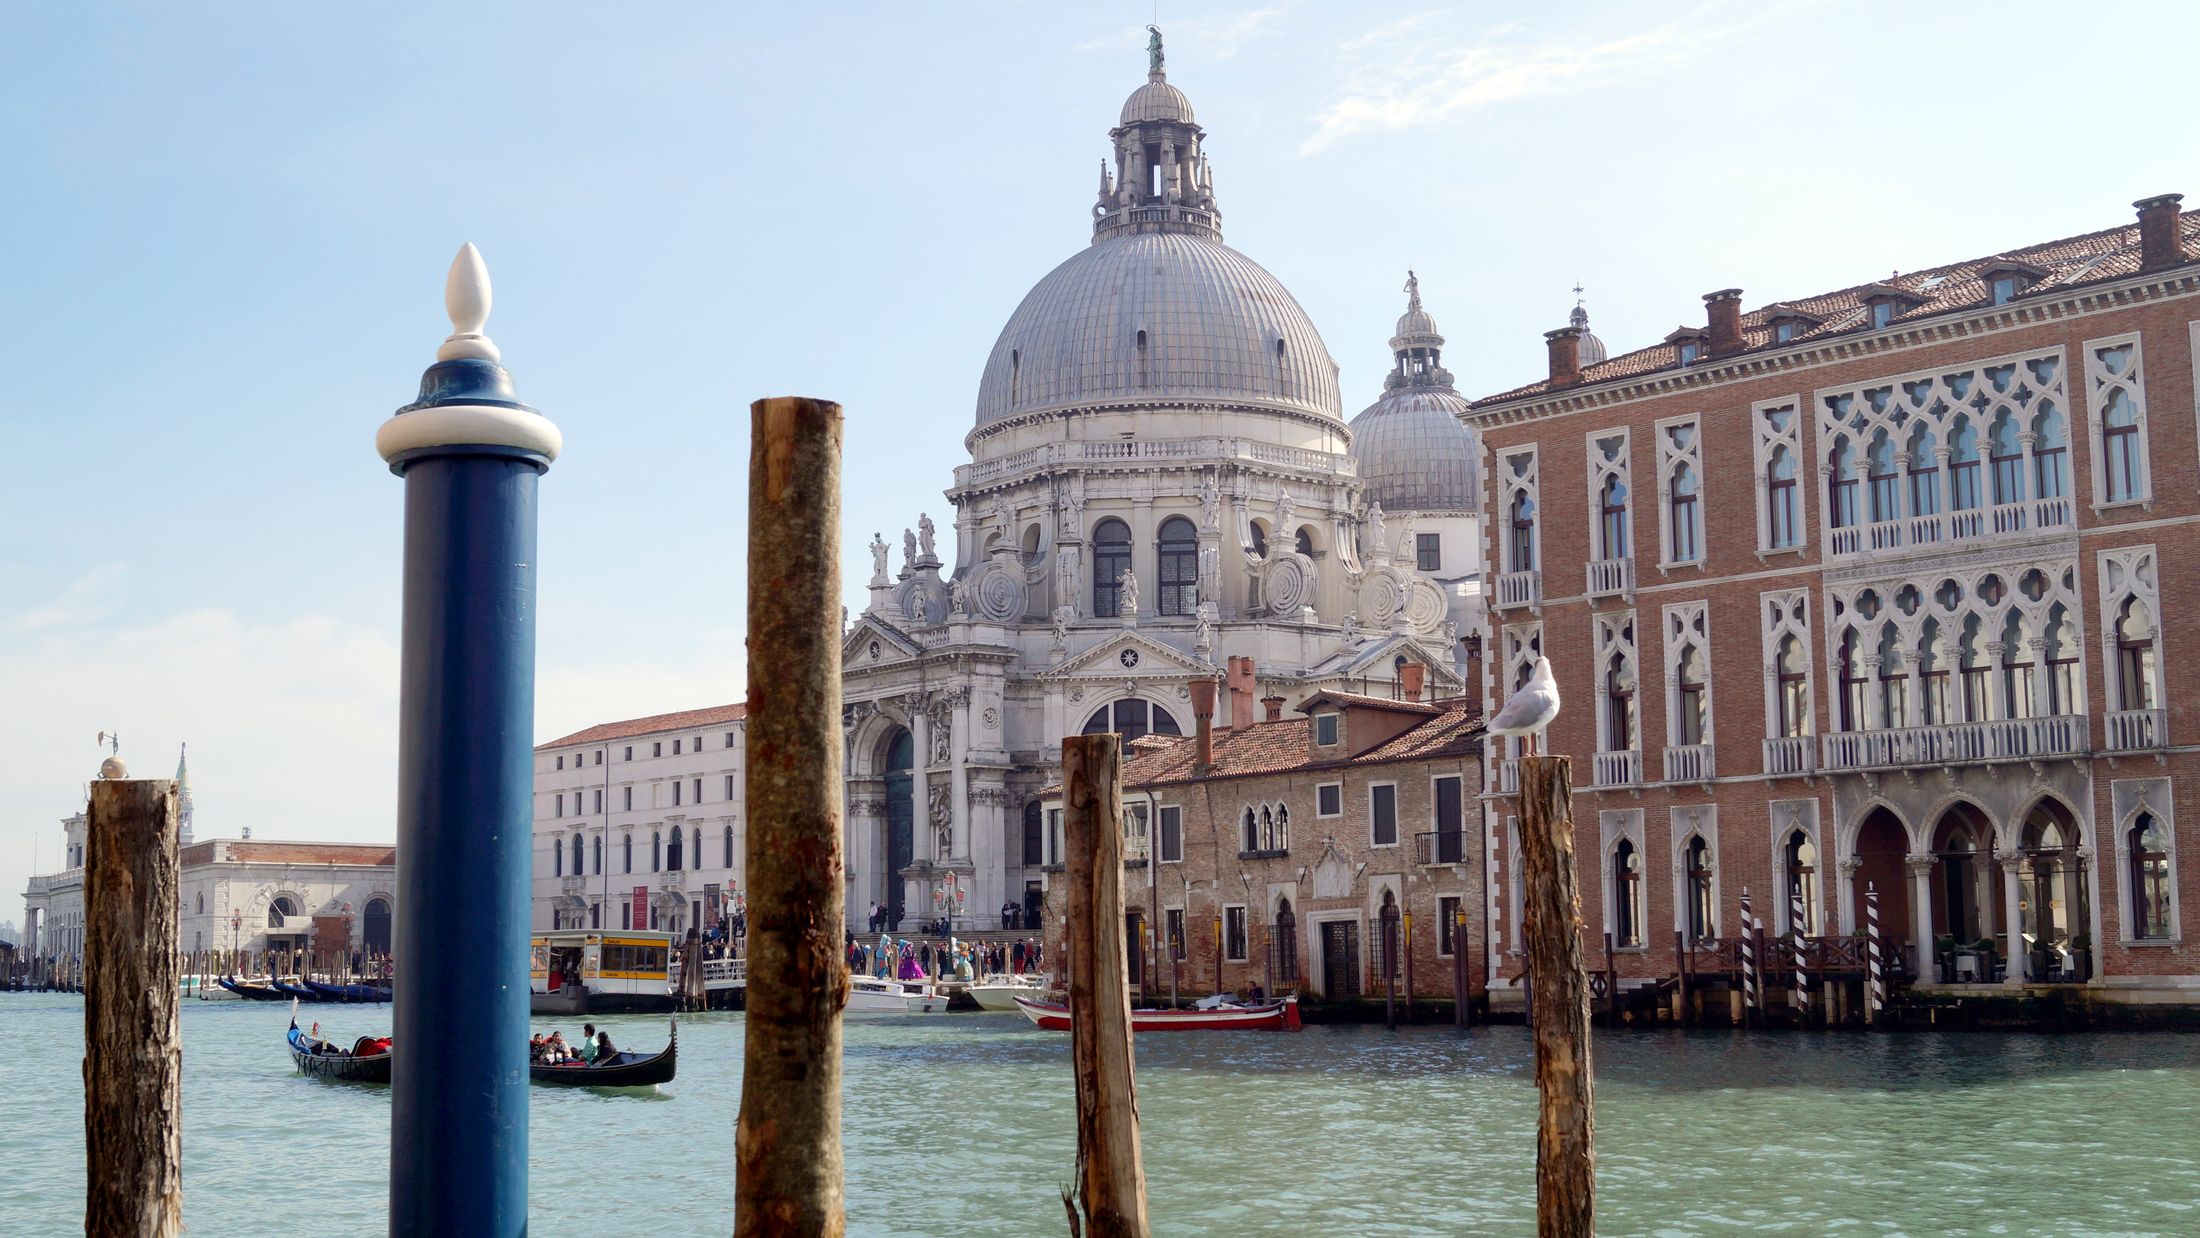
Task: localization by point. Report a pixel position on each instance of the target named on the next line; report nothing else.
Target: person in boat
(604, 1051)
(1255, 995)
(534, 1048)
(588, 1043)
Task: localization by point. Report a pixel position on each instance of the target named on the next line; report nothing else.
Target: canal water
(961, 1124)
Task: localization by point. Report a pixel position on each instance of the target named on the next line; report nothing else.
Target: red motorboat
(1282, 1016)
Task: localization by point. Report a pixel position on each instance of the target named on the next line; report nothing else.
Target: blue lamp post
(470, 454)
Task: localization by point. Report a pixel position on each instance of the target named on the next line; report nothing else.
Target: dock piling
(1565, 1160)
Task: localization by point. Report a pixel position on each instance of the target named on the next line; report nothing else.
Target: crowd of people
(900, 959)
(883, 920)
(553, 1049)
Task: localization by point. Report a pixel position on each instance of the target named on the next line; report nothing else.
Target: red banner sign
(639, 917)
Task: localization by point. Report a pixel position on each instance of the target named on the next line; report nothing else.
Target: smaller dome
(1157, 100)
(1415, 324)
(1592, 348)
(1414, 454)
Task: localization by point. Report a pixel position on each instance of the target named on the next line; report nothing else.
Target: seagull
(1530, 709)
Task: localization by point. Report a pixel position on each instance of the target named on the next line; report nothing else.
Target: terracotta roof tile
(1371, 702)
(685, 720)
(2074, 261)
(1453, 729)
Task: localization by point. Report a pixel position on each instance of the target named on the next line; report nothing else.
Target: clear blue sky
(227, 228)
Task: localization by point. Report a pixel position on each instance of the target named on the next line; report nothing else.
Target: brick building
(1867, 589)
(1275, 851)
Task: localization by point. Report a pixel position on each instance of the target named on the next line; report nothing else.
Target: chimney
(1241, 692)
(1274, 706)
(1726, 321)
(1472, 644)
(1411, 677)
(2159, 225)
(1203, 720)
(1565, 345)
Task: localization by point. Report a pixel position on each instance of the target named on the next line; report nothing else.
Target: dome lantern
(1161, 180)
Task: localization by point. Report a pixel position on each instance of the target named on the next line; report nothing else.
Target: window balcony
(573, 883)
(673, 880)
(2138, 730)
(2003, 520)
(1619, 769)
(1518, 589)
(1440, 847)
(1609, 577)
(2009, 739)
(1789, 754)
(1504, 776)
(1690, 763)
(1267, 853)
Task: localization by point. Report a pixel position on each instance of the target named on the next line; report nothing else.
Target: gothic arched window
(557, 857)
(1698, 868)
(1252, 831)
(1111, 557)
(580, 854)
(2149, 878)
(1800, 859)
(729, 848)
(1626, 894)
(672, 859)
(1179, 553)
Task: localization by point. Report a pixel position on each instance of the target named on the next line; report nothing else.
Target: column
(2012, 924)
(1921, 914)
(866, 821)
(1875, 704)
(1844, 907)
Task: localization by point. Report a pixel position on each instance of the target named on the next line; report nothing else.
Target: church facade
(1161, 479)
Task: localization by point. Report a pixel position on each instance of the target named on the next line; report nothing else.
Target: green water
(961, 1125)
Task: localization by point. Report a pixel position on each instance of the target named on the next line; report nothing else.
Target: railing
(1440, 847)
(1619, 769)
(574, 884)
(1789, 754)
(674, 879)
(1504, 776)
(1519, 589)
(1610, 576)
(1965, 524)
(2009, 739)
(2135, 730)
(1103, 451)
(1690, 763)
(1266, 854)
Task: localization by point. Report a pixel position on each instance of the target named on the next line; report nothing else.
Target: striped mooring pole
(471, 456)
(1875, 981)
(1795, 934)
(1749, 967)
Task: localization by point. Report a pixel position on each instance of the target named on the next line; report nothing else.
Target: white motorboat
(999, 993)
(876, 995)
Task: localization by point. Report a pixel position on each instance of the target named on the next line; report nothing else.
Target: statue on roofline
(1153, 51)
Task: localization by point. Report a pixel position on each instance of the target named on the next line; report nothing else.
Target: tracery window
(1609, 477)
(2150, 881)
(1886, 480)
(1697, 871)
(1178, 550)
(580, 854)
(1688, 662)
(2116, 395)
(1680, 477)
(1843, 484)
(1786, 615)
(1522, 645)
(1779, 438)
(1618, 681)
(1626, 894)
(1799, 861)
(2131, 603)
(1517, 476)
(1111, 558)
(1924, 473)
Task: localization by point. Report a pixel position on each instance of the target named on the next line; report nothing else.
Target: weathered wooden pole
(472, 457)
(788, 1177)
(133, 1048)
(1565, 1159)
(1111, 1175)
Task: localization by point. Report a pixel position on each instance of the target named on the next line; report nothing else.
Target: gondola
(1281, 1016)
(298, 991)
(367, 1061)
(253, 992)
(348, 992)
(624, 1070)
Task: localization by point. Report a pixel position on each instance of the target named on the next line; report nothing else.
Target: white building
(646, 814)
(1161, 478)
(333, 899)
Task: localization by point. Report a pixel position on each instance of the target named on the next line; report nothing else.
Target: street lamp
(236, 929)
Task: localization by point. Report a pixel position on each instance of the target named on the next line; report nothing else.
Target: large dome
(1160, 317)
(1413, 452)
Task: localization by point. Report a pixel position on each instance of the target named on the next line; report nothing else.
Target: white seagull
(1530, 709)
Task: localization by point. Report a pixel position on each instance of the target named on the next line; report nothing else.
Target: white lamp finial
(466, 299)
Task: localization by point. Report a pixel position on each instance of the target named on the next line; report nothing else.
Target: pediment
(1353, 665)
(1333, 874)
(875, 642)
(1149, 657)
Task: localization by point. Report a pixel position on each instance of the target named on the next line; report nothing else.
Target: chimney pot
(1565, 346)
(1412, 677)
(1241, 692)
(1274, 706)
(1203, 720)
(1725, 307)
(2160, 225)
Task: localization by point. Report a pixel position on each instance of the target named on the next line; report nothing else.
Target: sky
(226, 231)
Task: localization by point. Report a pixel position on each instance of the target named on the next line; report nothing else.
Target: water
(962, 1125)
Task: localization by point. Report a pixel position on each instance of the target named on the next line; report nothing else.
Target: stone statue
(908, 552)
(1378, 533)
(1210, 504)
(1413, 292)
(1405, 541)
(941, 803)
(1063, 617)
(1203, 640)
(1065, 578)
(958, 596)
(924, 536)
(1352, 627)
(1153, 50)
(879, 551)
(1210, 571)
(1126, 594)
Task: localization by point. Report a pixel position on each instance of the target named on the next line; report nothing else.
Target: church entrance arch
(901, 817)
(1882, 854)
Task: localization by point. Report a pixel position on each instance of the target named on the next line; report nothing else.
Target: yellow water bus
(580, 971)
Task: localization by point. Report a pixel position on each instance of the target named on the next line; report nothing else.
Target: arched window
(2135, 656)
(1283, 828)
(629, 853)
(1111, 557)
(2008, 461)
(1783, 526)
(1612, 518)
(1894, 680)
(1963, 466)
(1698, 869)
(2149, 878)
(2121, 463)
(1626, 894)
(1971, 650)
(1886, 481)
(202, 903)
(376, 926)
(2050, 453)
(695, 853)
(1260, 540)
(1687, 516)
(1179, 552)
(599, 855)
(1267, 830)
(1285, 939)
(1848, 667)
(1924, 473)
(1303, 542)
(2019, 668)
(729, 848)
(1793, 699)
(2060, 655)
(1800, 859)
(580, 854)
(672, 858)
(656, 851)
(281, 909)
(1131, 718)
(557, 857)
(1619, 704)
(1932, 676)
(1843, 484)
(1689, 713)
(1521, 553)
(1251, 831)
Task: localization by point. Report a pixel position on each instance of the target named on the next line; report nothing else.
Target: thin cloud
(86, 599)
(1406, 73)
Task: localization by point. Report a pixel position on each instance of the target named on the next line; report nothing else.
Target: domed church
(1162, 489)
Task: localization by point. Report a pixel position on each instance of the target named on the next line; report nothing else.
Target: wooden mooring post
(788, 1176)
(133, 1047)
(1565, 1159)
(1111, 1174)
